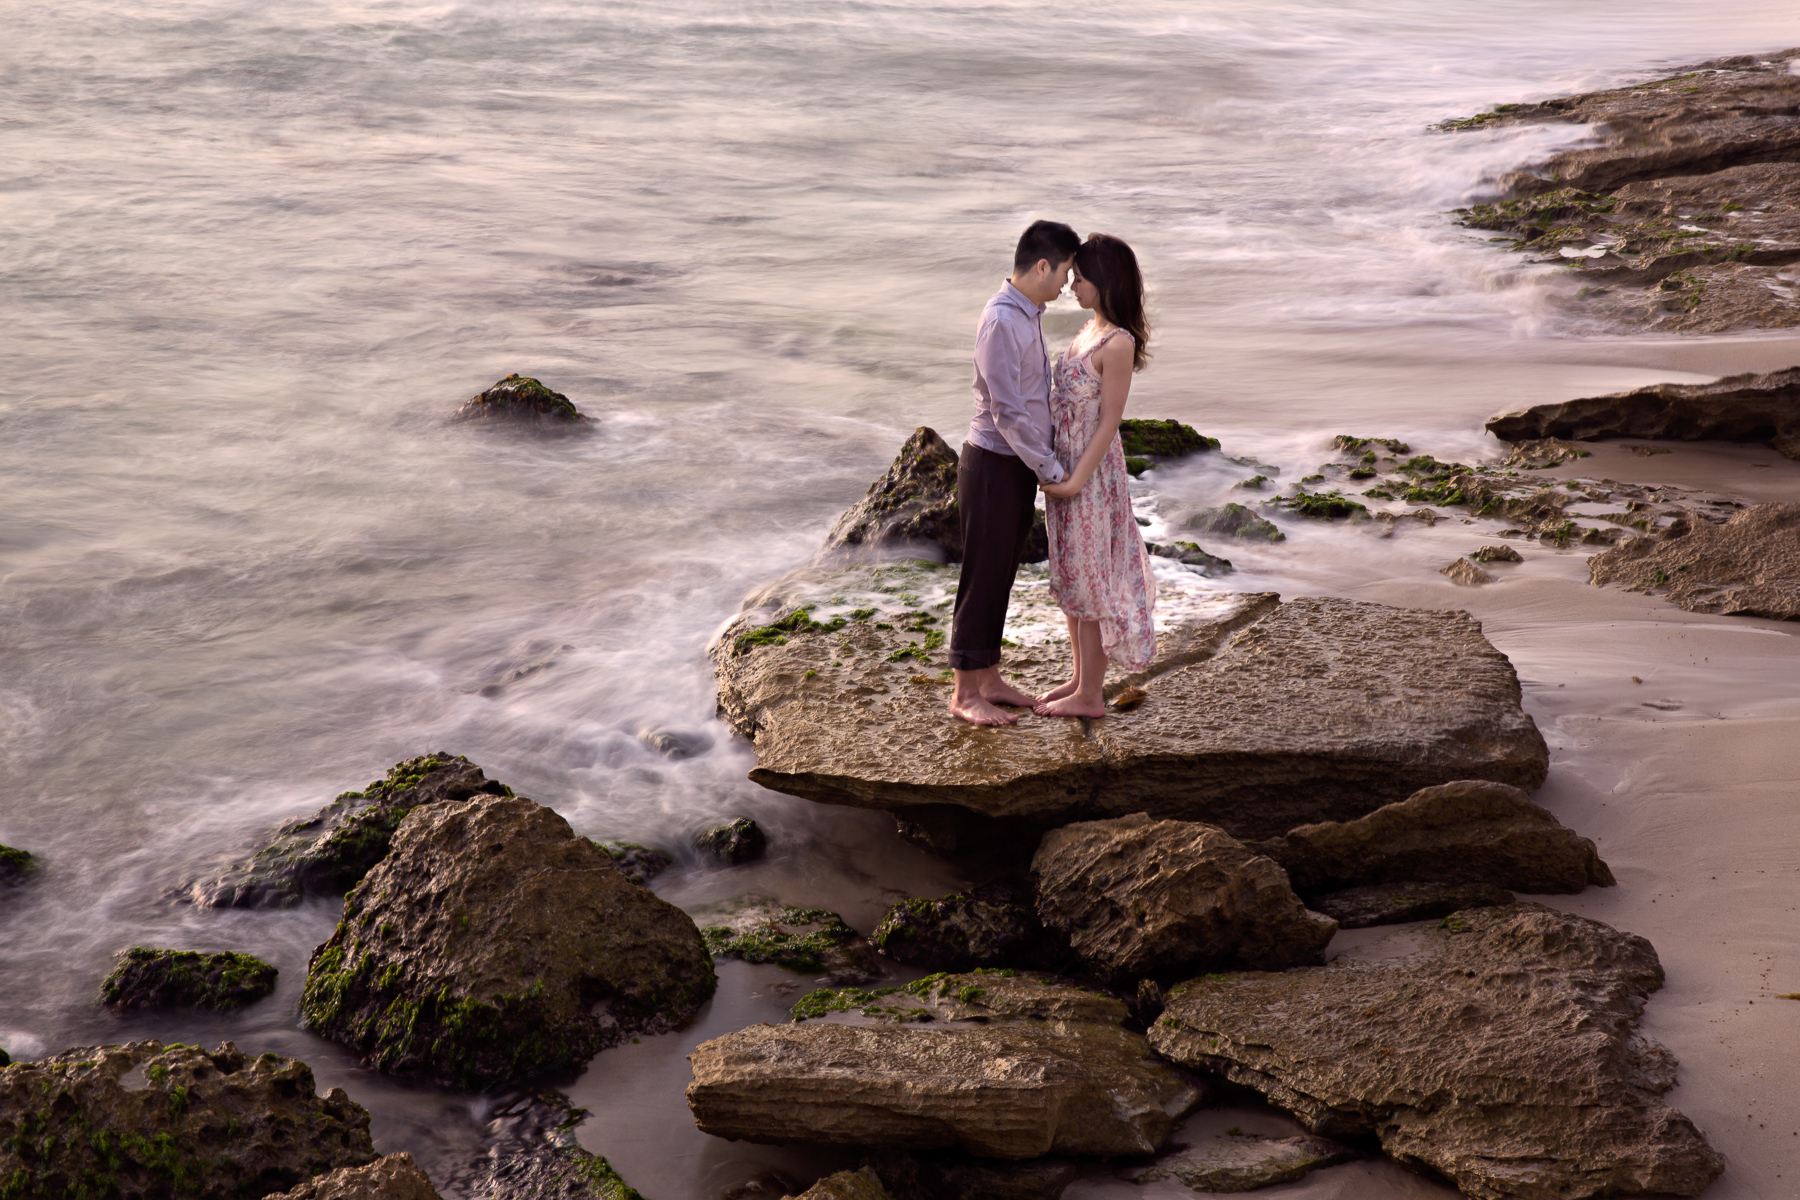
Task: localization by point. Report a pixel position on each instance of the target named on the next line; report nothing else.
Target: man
(1007, 452)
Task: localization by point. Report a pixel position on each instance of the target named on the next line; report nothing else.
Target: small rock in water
(1140, 898)
(1399, 903)
(1236, 521)
(640, 864)
(531, 1154)
(1191, 555)
(396, 1177)
(1494, 554)
(862, 1184)
(677, 744)
(15, 865)
(738, 841)
(993, 926)
(811, 941)
(1466, 573)
(1162, 439)
(223, 982)
(523, 399)
(1244, 1163)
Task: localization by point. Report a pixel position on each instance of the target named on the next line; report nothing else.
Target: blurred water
(251, 256)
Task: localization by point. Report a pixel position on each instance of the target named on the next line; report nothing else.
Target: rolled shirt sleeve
(1012, 368)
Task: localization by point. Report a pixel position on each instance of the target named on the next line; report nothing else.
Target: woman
(1099, 571)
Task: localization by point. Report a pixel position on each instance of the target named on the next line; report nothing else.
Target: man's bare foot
(977, 711)
(1072, 706)
(1056, 693)
(998, 691)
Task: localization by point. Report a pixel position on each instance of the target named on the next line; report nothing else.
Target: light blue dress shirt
(1012, 384)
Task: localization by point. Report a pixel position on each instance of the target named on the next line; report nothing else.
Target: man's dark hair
(1050, 240)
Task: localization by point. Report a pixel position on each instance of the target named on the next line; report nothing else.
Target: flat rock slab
(1243, 1164)
(1001, 1066)
(1502, 1053)
(1260, 716)
(1747, 567)
(1738, 408)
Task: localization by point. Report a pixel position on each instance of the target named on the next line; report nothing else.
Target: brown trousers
(995, 496)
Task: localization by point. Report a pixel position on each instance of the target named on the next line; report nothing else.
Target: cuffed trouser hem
(995, 495)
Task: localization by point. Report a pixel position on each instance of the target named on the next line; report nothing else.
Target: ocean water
(252, 257)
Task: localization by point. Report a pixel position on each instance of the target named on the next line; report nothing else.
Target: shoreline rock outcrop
(1503, 1054)
(997, 1064)
(152, 1120)
(1747, 567)
(492, 944)
(149, 978)
(1259, 718)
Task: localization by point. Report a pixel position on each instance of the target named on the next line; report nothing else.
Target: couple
(1055, 428)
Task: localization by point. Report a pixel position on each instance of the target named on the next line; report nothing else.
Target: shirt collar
(1019, 300)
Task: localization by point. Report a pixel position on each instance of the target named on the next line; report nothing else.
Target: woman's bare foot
(977, 711)
(1076, 705)
(1057, 693)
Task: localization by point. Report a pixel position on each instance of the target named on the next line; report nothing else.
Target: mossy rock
(160, 1122)
(15, 865)
(1164, 439)
(1330, 506)
(1190, 554)
(736, 842)
(811, 941)
(995, 925)
(531, 1154)
(224, 982)
(329, 852)
(522, 398)
(640, 864)
(1234, 521)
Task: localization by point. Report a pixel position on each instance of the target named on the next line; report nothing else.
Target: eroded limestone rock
(395, 1177)
(1503, 1053)
(148, 1120)
(521, 399)
(493, 944)
(1139, 898)
(1007, 1066)
(327, 853)
(1469, 831)
(1399, 903)
(1246, 1162)
(147, 978)
(1466, 573)
(1749, 566)
(1738, 408)
(861, 1184)
(1260, 717)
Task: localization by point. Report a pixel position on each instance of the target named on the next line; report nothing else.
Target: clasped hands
(1066, 490)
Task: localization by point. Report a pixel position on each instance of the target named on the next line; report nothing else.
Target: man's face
(1047, 281)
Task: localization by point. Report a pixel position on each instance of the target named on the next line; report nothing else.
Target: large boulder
(522, 399)
(997, 1064)
(395, 1177)
(1747, 567)
(1502, 1053)
(1470, 831)
(493, 944)
(150, 1120)
(148, 978)
(1738, 408)
(1145, 899)
(1260, 716)
(327, 853)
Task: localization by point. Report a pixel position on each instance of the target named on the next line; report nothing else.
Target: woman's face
(1086, 294)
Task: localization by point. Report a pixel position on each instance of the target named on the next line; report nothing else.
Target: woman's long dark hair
(1108, 264)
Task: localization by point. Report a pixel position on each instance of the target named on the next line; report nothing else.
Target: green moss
(1254, 483)
(1151, 439)
(15, 862)
(861, 614)
(1137, 466)
(799, 939)
(1455, 923)
(970, 995)
(776, 632)
(1331, 505)
(149, 978)
(1354, 445)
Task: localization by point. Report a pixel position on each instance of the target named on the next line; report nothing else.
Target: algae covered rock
(1234, 521)
(1139, 898)
(15, 865)
(520, 398)
(158, 1121)
(810, 941)
(493, 944)
(147, 978)
(1007, 1066)
(1470, 831)
(327, 853)
(395, 1177)
(640, 864)
(994, 925)
(1162, 439)
(1747, 567)
(1243, 1163)
(531, 1154)
(1501, 1053)
(861, 1184)
(736, 842)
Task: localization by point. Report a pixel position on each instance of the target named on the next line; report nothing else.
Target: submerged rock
(862, 1184)
(1470, 831)
(640, 864)
(1139, 898)
(1259, 718)
(1747, 567)
(1235, 521)
(1399, 903)
(493, 944)
(1190, 554)
(154, 1121)
(995, 925)
(811, 941)
(1738, 408)
(147, 978)
(1245, 1162)
(1005, 1067)
(327, 853)
(532, 1154)
(1502, 1054)
(15, 865)
(522, 398)
(677, 744)
(396, 1177)
(736, 842)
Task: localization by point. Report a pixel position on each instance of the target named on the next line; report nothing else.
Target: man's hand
(1068, 489)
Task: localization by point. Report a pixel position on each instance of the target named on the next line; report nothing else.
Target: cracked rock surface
(1749, 566)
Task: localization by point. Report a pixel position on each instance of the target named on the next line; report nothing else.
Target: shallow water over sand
(256, 253)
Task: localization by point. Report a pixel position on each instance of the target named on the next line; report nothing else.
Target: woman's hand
(1068, 489)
